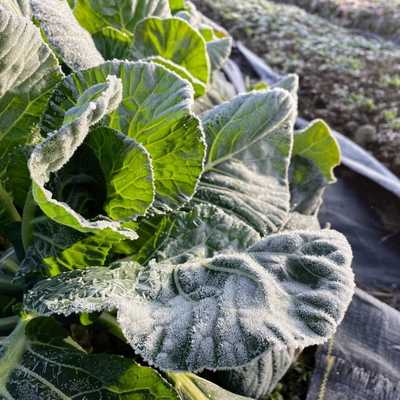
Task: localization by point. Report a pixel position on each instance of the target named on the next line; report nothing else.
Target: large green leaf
(249, 146)
(289, 290)
(28, 74)
(113, 43)
(127, 171)
(315, 155)
(69, 40)
(176, 41)
(50, 156)
(203, 231)
(94, 15)
(39, 360)
(156, 112)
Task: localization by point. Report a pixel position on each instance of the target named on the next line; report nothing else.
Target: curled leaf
(259, 377)
(315, 155)
(155, 111)
(51, 155)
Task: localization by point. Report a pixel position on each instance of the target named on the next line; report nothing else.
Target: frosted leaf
(155, 111)
(289, 83)
(288, 291)
(29, 71)
(53, 153)
(259, 377)
(69, 40)
(249, 145)
(203, 231)
(21, 8)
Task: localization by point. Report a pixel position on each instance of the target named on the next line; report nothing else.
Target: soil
(372, 17)
(350, 81)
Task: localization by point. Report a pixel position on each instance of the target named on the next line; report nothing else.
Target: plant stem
(184, 385)
(7, 203)
(14, 348)
(7, 324)
(7, 263)
(10, 265)
(7, 286)
(27, 217)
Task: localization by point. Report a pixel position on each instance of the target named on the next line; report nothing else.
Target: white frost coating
(71, 42)
(287, 291)
(21, 8)
(51, 155)
(250, 141)
(28, 73)
(28, 66)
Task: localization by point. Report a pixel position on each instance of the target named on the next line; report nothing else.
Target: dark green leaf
(39, 359)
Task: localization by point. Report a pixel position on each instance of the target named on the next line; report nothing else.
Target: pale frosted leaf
(289, 83)
(289, 290)
(29, 71)
(219, 51)
(258, 378)
(249, 145)
(70, 41)
(21, 8)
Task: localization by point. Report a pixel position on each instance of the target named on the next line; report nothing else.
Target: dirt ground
(374, 17)
(351, 81)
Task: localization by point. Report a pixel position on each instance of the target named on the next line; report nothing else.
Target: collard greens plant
(147, 246)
